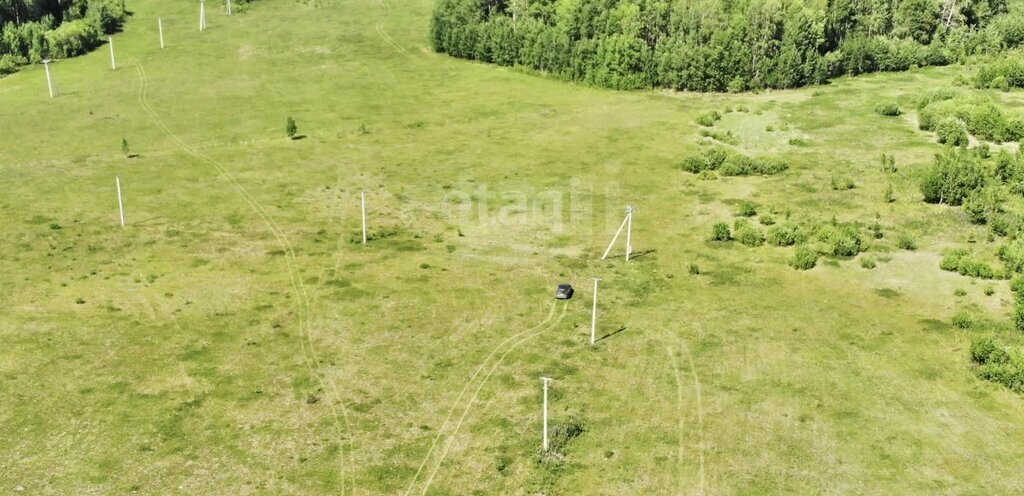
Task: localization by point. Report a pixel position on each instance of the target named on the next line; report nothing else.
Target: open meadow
(236, 337)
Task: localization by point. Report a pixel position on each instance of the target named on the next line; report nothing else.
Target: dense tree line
(33, 30)
(721, 45)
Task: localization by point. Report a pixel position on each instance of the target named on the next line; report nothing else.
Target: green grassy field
(236, 338)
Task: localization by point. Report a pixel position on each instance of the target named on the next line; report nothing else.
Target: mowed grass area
(235, 338)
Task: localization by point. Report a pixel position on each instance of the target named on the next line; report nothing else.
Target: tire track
(679, 414)
(383, 34)
(469, 404)
(465, 388)
(298, 287)
(702, 488)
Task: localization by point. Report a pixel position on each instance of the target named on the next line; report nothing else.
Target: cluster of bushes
(731, 163)
(715, 46)
(960, 261)
(832, 239)
(1002, 74)
(998, 363)
(953, 115)
(31, 33)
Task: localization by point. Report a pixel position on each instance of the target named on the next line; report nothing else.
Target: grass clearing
(233, 337)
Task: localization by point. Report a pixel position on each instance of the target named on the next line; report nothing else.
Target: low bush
(748, 235)
(953, 132)
(867, 263)
(804, 258)
(984, 349)
(889, 163)
(708, 119)
(747, 209)
(838, 240)
(961, 262)
(766, 219)
(720, 232)
(888, 109)
(905, 241)
(785, 235)
(729, 163)
(842, 183)
(962, 320)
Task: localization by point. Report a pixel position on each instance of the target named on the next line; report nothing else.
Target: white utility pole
(229, 7)
(593, 317)
(113, 64)
(120, 204)
(629, 231)
(363, 197)
(160, 24)
(202, 15)
(545, 441)
(49, 80)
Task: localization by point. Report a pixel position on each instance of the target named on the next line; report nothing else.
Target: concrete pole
(160, 24)
(113, 64)
(363, 197)
(202, 15)
(229, 7)
(593, 317)
(49, 80)
(629, 231)
(544, 442)
(120, 204)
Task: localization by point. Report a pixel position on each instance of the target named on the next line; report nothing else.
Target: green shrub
(1008, 167)
(982, 205)
(1004, 224)
(747, 209)
(889, 196)
(983, 150)
(838, 240)
(707, 175)
(804, 258)
(290, 128)
(888, 109)
(982, 349)
(953, 176)
(953, 132)
(905, 241)
(720, 232)
(961, 262)
(749, 235)
(867, 263)
(959, 292)
(695, 164)
(798, 142)
(889, 163)
(842, 183)
(694, 270)
(766, 219)
(962, 320)
(708, 119)
(724, 137)
(1012, 255)
(785, 235)
(989, 291)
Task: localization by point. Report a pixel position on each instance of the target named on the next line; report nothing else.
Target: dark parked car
(564, 292)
